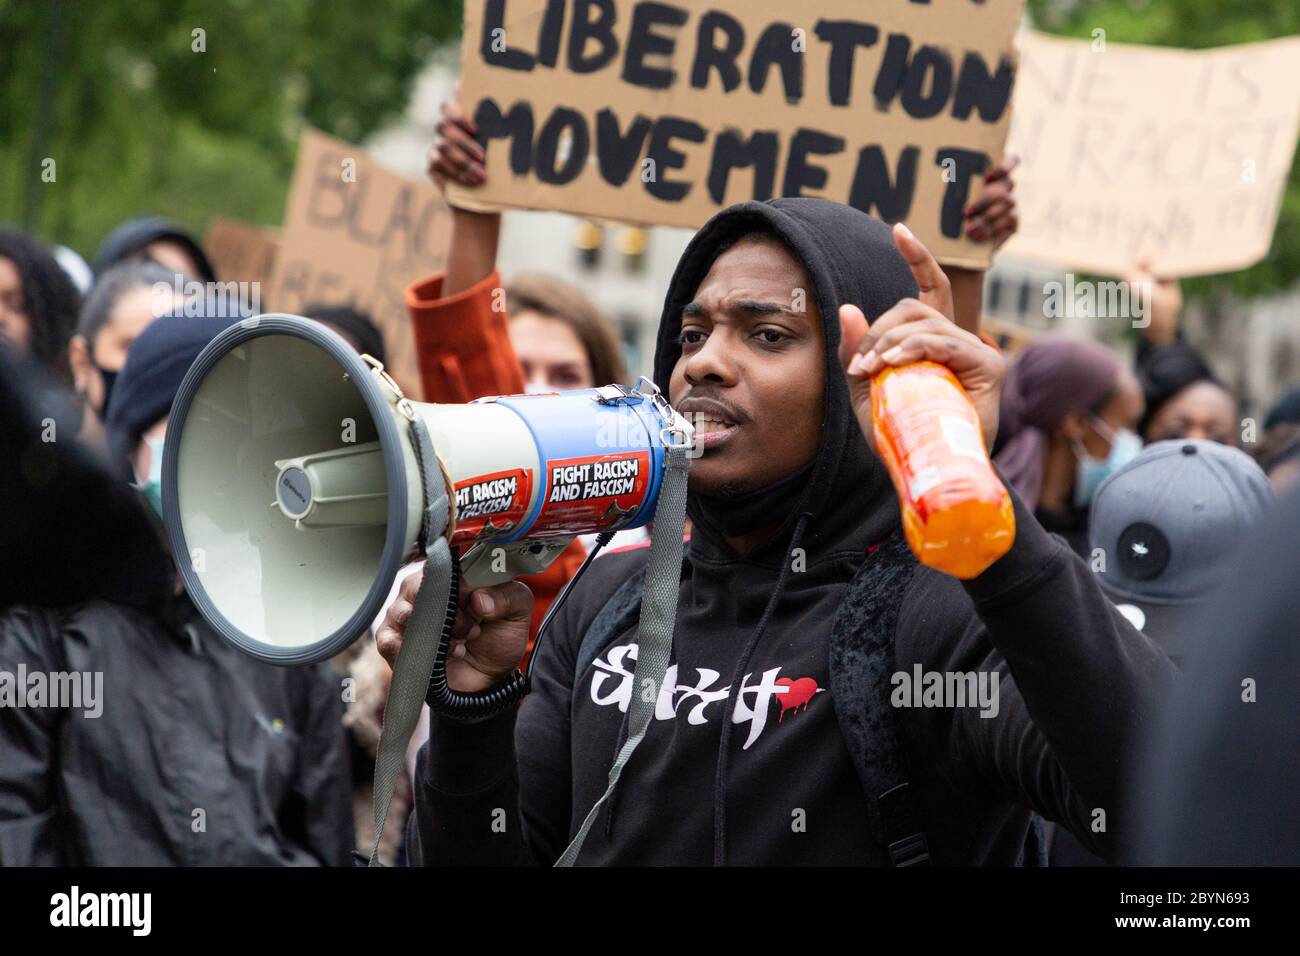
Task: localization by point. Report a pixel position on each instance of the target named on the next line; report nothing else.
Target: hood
(850, 258)
(130, 238)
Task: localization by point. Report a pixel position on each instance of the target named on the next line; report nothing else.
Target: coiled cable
(481, 705)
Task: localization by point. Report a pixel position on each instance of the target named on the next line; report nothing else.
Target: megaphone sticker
(595, 492)
(489, 506)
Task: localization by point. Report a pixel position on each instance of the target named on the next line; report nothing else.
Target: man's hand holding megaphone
(489, 639)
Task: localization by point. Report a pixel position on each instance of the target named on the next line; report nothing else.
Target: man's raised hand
(917, 329)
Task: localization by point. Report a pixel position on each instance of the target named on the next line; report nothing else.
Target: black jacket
(200, 755)
(1075, 680)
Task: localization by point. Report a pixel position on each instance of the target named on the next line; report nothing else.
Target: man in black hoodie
(767, 733)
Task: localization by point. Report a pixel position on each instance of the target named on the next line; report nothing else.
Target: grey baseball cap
(1168, 524)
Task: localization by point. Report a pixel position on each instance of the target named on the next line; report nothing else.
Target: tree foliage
(137, 118)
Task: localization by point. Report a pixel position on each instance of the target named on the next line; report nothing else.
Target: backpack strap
(862, 660)
(620, 612)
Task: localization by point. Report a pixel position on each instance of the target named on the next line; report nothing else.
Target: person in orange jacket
(475, 337)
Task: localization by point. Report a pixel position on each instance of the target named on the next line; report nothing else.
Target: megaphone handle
(437, 528)
(466, 708)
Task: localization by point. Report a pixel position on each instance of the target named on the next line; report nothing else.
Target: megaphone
(294, 482)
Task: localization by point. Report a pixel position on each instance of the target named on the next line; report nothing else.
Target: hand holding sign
(994, 216)
(1166, 302)
(455, 155)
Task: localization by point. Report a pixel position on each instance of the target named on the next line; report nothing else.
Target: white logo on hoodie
(612, 684)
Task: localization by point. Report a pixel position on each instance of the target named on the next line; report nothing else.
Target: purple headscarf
(1048, 381)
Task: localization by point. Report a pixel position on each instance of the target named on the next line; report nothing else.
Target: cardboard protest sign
(241, 252)
(1134, 152)
(667, 112)
(357, 234)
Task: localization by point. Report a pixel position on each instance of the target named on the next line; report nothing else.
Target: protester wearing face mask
(190, 752)
(121, 305)
(1069, 410)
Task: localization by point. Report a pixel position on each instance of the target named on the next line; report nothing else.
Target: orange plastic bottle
(957, 515)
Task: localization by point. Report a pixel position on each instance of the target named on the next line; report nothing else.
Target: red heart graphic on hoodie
(798, 693)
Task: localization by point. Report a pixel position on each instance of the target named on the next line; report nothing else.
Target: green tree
(1199, 24)
(186, 108)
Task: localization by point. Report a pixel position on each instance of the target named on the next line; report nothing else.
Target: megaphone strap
(439, 512)
(428, 630)
(655, 634)
(450, 491)
(425, 636)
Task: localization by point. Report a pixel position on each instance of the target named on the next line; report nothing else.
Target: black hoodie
(515, 788)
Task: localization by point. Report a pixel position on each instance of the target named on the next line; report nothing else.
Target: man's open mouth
(714, 421)
(711, 430)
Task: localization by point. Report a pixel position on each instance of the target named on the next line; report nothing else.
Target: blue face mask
(151, 487)
(1091, 472)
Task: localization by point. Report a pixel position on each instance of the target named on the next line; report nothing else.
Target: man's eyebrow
(752, 307)
(756, 307)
